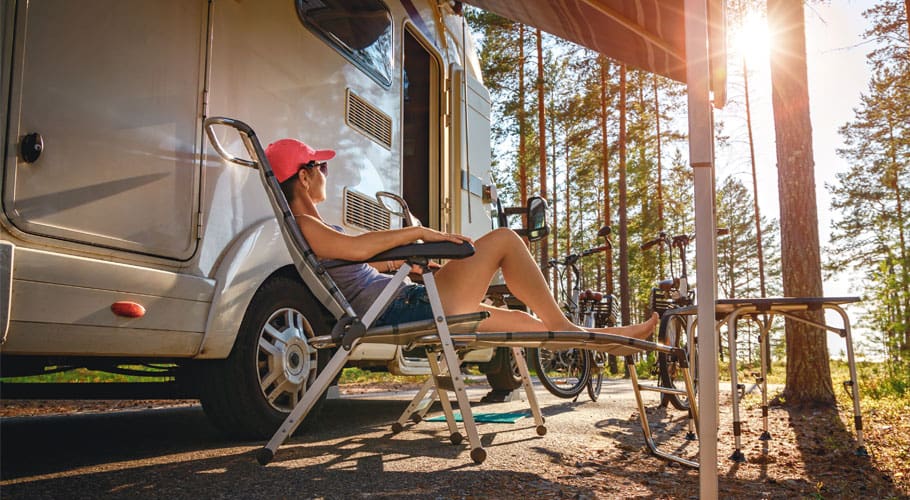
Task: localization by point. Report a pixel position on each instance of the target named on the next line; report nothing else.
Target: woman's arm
(330, 244)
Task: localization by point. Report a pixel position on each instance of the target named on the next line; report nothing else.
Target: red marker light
(128, 309)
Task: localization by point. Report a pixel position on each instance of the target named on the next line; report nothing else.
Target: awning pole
(701, 157)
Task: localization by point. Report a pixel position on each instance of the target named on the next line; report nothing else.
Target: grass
(877, 380)
(355, 375)
(84, 375)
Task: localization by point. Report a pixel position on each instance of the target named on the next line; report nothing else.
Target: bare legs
(463, 284)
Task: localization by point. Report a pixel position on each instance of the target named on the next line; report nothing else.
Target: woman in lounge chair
(301, 171)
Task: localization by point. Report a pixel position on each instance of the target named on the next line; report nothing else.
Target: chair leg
(478, 454)
(417, 407)
(425, 406)
(519, 357)
(441, 381)
(303, 407)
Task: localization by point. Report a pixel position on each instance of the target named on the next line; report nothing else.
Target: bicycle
(675, 330)
(565, 373)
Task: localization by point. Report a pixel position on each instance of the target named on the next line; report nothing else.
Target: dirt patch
(811, 455)
(37, 407)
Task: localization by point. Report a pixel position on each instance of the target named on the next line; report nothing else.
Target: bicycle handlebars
(572, 258)
(680, 240)
(594, 250)
(649, 244)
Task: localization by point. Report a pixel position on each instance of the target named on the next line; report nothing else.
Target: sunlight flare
(751, 40)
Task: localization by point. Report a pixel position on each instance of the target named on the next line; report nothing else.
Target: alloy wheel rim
(285, 361)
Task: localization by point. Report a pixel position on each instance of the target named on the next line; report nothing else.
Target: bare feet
(638, 331)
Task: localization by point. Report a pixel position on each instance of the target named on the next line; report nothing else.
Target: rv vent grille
(365, 118)
(365, 212)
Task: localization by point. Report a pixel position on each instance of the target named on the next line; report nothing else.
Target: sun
(751, 39)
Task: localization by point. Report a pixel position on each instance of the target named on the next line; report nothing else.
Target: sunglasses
(321, 165)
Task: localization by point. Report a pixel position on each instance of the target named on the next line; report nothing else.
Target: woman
(462, 284)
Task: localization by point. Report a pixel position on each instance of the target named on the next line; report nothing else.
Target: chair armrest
(434, 250)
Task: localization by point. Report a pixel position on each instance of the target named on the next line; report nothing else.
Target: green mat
(496, 418)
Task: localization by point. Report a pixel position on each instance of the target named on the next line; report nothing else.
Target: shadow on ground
(175, 453)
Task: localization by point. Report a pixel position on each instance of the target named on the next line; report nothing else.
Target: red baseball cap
(287, 155)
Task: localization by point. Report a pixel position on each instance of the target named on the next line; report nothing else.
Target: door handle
(30, 147)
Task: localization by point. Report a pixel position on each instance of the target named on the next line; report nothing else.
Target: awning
(646, 34)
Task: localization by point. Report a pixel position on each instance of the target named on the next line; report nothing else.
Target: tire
(673, 332)
(271, 365)
(503, 374)
(598, 362)
(564, 373)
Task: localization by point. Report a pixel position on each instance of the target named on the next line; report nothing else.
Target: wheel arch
(254, 257)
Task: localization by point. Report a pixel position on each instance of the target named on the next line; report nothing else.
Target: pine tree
(871, 196)
(738, 270)
(808, 373)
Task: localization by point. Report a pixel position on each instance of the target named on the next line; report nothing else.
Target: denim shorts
(412, 304)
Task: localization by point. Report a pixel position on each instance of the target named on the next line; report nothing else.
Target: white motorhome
(125, 239)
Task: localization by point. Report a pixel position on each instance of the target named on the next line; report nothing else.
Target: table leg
(854, 382)
(732, 320)
(765, 329)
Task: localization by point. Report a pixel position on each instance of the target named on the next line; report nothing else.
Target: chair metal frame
(441, 334)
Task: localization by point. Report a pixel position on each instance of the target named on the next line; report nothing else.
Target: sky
(838, 74)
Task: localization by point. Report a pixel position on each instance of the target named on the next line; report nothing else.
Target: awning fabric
(646, 34)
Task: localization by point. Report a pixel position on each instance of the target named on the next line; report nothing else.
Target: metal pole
(701, 157)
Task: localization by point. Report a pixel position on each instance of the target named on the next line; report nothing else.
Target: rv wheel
(503, 374)
(250, 393)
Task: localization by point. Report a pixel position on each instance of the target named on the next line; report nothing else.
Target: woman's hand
(429, 235)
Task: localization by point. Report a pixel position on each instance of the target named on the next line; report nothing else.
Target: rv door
(113, 91)
(470, 139)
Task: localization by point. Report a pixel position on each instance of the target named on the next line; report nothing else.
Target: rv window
(360, 29)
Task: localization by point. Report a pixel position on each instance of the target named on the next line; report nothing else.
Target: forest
(605, 144)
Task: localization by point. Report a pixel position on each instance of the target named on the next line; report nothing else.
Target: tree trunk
(623, 222)
(568, 243)
(611, 359)
(552, 161)
(907, 14)
(660, 180)
(624, 291)
(607, 215)
(893, 180)
(757, 214)
(522, 166)
(808, 373)
(542, 129)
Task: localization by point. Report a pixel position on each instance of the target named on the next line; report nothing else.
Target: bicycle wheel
(597, 360)
(673, 331)
(564, 373)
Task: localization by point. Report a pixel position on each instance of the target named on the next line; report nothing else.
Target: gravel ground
(591, 450)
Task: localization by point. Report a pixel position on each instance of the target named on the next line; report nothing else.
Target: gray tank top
(360, 283)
